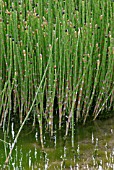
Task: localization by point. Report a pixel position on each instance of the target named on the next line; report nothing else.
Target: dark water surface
(93, 148)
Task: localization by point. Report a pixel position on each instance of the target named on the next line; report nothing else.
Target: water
(93, 148)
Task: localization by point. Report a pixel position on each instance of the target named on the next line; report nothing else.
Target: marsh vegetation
(93, 148)
(57, 60)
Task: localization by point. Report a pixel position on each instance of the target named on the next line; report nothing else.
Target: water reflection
(93, 149)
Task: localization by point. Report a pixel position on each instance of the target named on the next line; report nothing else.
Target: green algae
(93, 148)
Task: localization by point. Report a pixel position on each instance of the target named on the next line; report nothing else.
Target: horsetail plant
(67, 51)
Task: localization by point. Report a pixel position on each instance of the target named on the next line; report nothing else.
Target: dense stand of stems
(79, 40)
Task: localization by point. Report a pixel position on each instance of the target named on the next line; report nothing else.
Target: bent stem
(15, 140)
